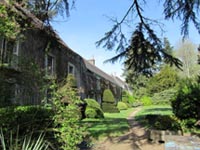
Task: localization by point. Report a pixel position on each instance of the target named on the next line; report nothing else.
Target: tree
(167, 78)
(167, 46)
(186, 52)
(46, 10)
(145, 46)
(137, 82)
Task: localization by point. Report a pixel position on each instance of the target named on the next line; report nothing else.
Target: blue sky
(89, 21)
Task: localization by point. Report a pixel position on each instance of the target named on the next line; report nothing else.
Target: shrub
(71, 80)
(146, 101)
(93, 109)
(167, 78)
(28, 118)
(110, 108)
(108, 96)
(164, 97)
(90, 113)
(163, 122)
(167, 123)
(127, 98)
(186, 104)
(92, 103)
(69, 131)
(108, 104)
(122, 106)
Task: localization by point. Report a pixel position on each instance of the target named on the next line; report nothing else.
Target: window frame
(68, 70)
(53, 65)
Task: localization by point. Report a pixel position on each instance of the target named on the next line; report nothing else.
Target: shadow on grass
(160, 110)
(106, 127)
(153, 113)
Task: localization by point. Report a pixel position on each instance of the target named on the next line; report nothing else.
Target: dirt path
(135, 139)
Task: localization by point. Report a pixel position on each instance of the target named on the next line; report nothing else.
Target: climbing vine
(9, 27)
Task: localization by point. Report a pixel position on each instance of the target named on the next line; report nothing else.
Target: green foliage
(9, 27)
(108, 104)
(165, 79)
(163, 122)
(186, 105)
(93, 109)
(127, 98)
(92, 103)
(137, 82)
(109, 108)
(122, 106)
(90, 113)
(26, 143)
(71, 80)
(164, 97)
(28, 118)
(146, 101)
(69, 132)
(108, 96)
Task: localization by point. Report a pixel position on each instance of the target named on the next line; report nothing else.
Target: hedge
(122, 106)
(27, 118)
(93, 109)
(110, 108)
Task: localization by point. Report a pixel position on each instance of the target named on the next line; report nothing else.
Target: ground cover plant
(114, 124)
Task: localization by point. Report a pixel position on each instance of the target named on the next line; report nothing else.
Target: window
(71, 69)
(16, 49)
(50, 64)
(98, 83)
(8, 51)
(3, 50)
(15, 54)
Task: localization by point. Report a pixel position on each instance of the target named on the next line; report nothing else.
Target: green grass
(114, 124)
(155, 110)
(152, 116)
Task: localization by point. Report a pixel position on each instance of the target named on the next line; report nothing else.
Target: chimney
(92, 61)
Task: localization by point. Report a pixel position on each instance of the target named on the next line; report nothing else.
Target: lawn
(158, 117)
(114, 124)
(155, 110)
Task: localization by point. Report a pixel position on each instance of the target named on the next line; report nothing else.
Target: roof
(122, 84)
(37, 23)
(119, 81)
(99, 72)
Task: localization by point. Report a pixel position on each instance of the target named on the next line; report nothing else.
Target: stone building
(40, 46)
